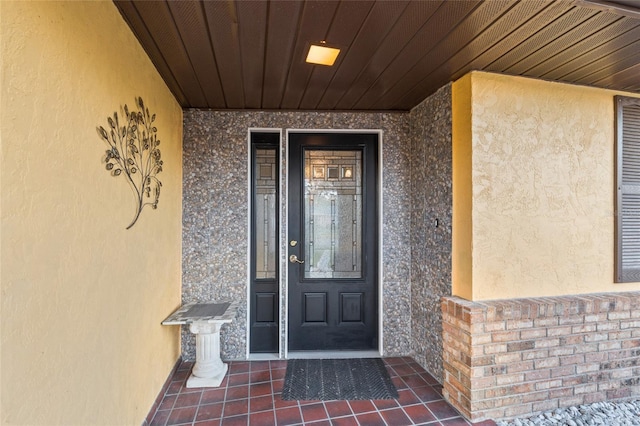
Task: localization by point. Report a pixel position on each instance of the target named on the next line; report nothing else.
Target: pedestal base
(207, 382)
(208, 370)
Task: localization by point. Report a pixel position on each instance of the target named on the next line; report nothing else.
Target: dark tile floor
(250, 395)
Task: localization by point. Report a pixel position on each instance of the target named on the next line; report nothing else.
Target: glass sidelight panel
(333, 213)
(265, 213)
(264, 294)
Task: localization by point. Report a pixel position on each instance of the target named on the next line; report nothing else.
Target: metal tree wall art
(133, 153)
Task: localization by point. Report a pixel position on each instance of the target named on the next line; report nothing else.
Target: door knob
(294, 259)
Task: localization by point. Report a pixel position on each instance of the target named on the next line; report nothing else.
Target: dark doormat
(337, 379)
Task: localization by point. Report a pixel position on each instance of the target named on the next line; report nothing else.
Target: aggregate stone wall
(518, 357)
(215, 214)
(431, 226)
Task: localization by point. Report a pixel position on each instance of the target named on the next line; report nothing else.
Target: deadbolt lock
(293, 243)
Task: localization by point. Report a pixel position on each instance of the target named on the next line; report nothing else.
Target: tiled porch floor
(250, 395)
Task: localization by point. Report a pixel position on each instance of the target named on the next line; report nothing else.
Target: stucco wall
(82, 298)
(215, 207)
(430, 225)
(541, 183)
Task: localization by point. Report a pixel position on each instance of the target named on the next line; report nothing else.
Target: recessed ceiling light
(322, 55)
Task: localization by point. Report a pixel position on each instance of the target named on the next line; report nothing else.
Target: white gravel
(599, 413)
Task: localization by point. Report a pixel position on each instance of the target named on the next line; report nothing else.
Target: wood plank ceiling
(250, 54)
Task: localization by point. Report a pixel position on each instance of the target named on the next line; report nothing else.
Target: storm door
(333, 241)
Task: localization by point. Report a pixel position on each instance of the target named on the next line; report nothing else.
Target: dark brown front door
(333, 241)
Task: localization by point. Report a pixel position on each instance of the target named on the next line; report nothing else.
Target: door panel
(315, 308)
(333, 220)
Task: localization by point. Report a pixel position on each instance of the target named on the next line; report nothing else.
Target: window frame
(626, 119)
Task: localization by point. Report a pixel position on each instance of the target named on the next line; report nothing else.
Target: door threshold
(263, 357)
(332, 354)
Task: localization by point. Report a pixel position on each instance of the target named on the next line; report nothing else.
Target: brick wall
(514, 358)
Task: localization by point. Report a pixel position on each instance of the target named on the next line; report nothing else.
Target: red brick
(505, 336)
(496, 413)
(498, 391)
(595, 318)
(548, 384)
(482, 382)
(631, 343)
(545, 322)
(495, 348)
(544, 353)
(563, 371)
(562, 351)
(573, 359)
(607, 346)
(608, 385)
(517, 410)
(596, 337)
(533, 333)
(486, 404)
(619, 393)
(546, 363)
(546, 343)
(587, 349)
(455, 384)
(575, 339)
(588, 388)
(519, 324)
(549, 405)
(495, 370)
(572, 381)
(618, 315)
(535, 396)
(561, 392)
(622, 374)
(483, 360)
(614, 355)
(629, 324)
(559, 331)
(571, 400)
(571, 320)
(577, 345)
(481, 339)
(608, 326)
(595, 397)
(585, 368)
(509, 379)
(507, 357)
(537, 375)
(508, 401)
(495, 326)
(521, 346)
(520, 366)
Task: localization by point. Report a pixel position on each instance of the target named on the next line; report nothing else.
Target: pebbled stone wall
(215, 214)
(431, 226)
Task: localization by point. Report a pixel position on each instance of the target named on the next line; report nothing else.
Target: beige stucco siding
(82, 298)
(542, 188)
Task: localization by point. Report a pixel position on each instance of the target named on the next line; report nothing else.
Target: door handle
(294, 259)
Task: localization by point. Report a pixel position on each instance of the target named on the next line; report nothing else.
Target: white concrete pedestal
(205, 321)
(209, 370)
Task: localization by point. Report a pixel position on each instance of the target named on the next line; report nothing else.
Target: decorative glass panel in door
(332, 214)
